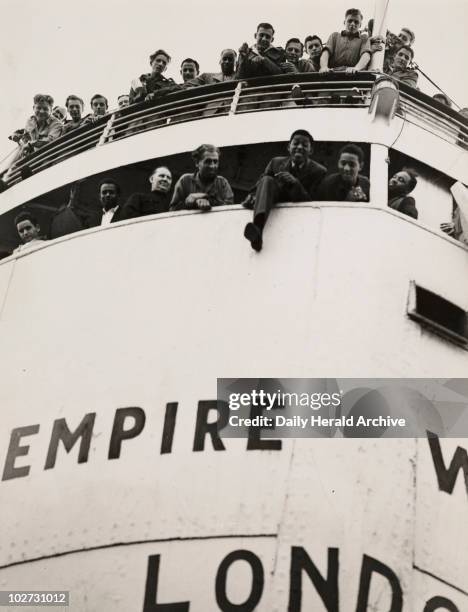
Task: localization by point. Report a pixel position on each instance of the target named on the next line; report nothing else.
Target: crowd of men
(295, 177)
(349, 49)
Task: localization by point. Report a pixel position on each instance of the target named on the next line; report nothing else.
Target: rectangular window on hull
(438, 314)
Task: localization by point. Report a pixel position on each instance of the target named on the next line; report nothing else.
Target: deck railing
(236, 97)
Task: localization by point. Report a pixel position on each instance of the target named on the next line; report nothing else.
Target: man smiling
(399, 187)
(286, 179)
(347, 184)
(262, 59)
(399, 69)
(157, 201)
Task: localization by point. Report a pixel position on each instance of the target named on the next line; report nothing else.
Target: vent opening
(438, 314)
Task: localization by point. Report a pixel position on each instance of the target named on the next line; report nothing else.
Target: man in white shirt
(109, 194)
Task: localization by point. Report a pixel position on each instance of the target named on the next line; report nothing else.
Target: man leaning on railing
(149, 86)
(205, 187)
(40, 129)
(347, 50)
(399, 68)
(262, 59)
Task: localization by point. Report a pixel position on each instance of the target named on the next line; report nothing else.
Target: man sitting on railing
(399, 187)
(149, 86)
(286, 179)
(294, 51)
(227, 63)
(204, 188)
(189, 69)
(347, 50)
(314, 47)
(28, 230)
(399, 69)
(347, 185)
(262, 59)
(75, 107)
(157, 201)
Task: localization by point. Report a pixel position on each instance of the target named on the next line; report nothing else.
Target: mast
(380, 31)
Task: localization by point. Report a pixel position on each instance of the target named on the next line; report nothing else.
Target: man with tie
(347, 50)
(286, 179)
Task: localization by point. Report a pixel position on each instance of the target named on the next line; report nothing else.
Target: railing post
(235, 99)
(107, 130)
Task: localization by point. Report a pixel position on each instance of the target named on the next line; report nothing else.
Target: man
(157, 201)
(347, 50)
(393, 44)
(42, 128)
(149, 86)
(294, 50)
(123, 101)
(347, 184)
(28, 230)
(75, 107)
(78, 214)
(204, 188)
(314, 47)
(407, 37)
(443, 99)
(99, 105)
(262, 59)
(294, 178)
(399, 69)
(189, 69)
(399, 187)
(109, 193)
(227, 63)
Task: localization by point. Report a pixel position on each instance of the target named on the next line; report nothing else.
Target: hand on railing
(249, 201)
(203, 204)
(288, 67)
(198, 200)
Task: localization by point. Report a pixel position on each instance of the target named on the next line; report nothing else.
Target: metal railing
(236, 97)
(420, 110)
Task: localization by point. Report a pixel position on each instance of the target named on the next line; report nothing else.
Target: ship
(116, 490)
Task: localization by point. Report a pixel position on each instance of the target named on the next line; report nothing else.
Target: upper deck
(334, 108)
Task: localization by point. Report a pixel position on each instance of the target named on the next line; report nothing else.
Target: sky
(58, 48)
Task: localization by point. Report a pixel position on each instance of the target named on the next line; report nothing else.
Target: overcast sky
(99, 46)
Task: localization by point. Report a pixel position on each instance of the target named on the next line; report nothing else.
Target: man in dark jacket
(157, 201)
(399, 186)
(109, 195)
(286, 179)
(154, 84)
(346, 185)
(262, 59)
